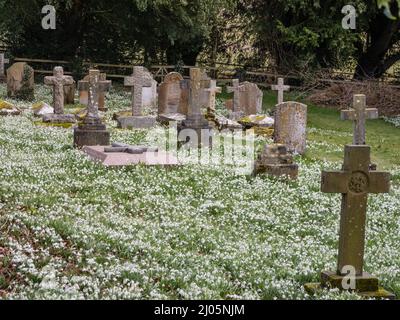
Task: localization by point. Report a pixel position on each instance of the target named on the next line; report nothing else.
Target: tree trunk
(372, 63)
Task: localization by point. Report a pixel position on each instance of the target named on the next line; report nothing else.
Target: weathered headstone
(212, 90)
(119, 154)
(276, 161)
(3, 61)
(58, 81)
(92, 131)
(20, 81)
(69, 93)
(291, 125)
(150, 94)
(83, 94)
(236, 89)
(281, 87)
(195, 123)
(359, 114)
(139, 79)
(355, 181)
(170, 94)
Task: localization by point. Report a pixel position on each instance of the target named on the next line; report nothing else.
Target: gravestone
(281, 87)
(83, 94)
(20, 82)
(195, 130)
(92, 131)
(150, 94)
(69, 93)
(212, 90)
(359, 114)
(139, 79)
(41, 108)
(276, 161)
(355, 181)
(119, 154)
(3, 61)
(171, 96)
(236, 89)
(251, 98)
(205, 84)
(290, 126)
(58, 81)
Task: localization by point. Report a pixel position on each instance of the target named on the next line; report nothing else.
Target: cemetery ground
(71, 228)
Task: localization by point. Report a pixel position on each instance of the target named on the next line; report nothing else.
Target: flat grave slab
(152, 157)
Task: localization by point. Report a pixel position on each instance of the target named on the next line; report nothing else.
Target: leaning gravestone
(92, 131)
(58, 81)
(355, 181)
(20, 82)
(291, 125)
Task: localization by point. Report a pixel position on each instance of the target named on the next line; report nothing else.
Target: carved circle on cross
(358, 182)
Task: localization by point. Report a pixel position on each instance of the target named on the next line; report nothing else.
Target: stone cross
(359, 114)
(236, 89)
(213, 90)
(94, 86)
(137, 81)
(3, 61)
(355, 181)
(126, 148)
(281, 87)
(58, 81)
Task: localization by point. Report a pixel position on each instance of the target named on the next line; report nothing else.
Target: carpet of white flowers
(73, 229)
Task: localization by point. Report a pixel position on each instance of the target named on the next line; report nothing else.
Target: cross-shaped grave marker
(236, 88)
(359, 114)
(58, 81)
(355, 181)
(213, 90)
(137, 81)
(94, 86)
(3, 61)
(126, 148)
(281, 87)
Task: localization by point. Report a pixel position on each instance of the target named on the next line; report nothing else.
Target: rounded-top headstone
(291, 125)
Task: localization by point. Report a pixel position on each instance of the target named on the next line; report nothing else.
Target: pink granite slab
(159, 158)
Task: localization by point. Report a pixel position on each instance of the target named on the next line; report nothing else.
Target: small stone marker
(195, 120)
(212, 90)
(276, 161)
(58, 81)
(20, 81)
(3, 62)
(359, 114)
(92, 131)
(120, 154)
(281, 87)
(355, 181)
(236, 88)
(8, 109)
(139, 79)
(290, 126)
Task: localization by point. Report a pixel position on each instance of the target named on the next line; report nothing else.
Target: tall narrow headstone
(355, 181)
(359, 114)
(196, 124)
(236, 88)
(291, 125)
(3, 61)
(92, 131)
